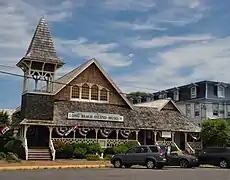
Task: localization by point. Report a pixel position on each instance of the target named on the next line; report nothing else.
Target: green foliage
(108, 157)
(4, 118)
(68, 151)
(92, 157)
(121, 148)
(79, 153)
(131, 143)
(2, 155)
(215, 132)
(11, 157)
(137, 94)
(95, 149)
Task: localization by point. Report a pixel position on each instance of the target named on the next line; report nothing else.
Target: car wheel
(117, 163)
(184, 163)
(223, 163)
(150, 164)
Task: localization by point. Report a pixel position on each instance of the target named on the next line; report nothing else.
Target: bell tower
(40, 62)
(39, 66)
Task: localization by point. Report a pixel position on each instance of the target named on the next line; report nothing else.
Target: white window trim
(164, 95)
(218, 91)
(190, 109)
(176, 95)
(193, 95)
(199, 107)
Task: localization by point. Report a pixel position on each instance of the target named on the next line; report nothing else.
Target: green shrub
(59, 144)
(121, 148)
(68, 151)
(79, 152)
(84, 146)
(95, 149)
(92, 157)
(132, 143)
(2, 155)
(109, 151)
(11, 157)
(15, 146)
(108, 157)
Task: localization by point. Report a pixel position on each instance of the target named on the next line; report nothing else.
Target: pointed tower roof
(41, 47)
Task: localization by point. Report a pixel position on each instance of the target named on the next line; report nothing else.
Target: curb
(51, 167)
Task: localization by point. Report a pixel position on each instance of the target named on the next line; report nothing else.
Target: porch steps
(39, 154)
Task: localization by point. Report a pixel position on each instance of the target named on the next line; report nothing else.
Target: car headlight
(112, 156)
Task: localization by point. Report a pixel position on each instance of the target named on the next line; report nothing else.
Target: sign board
(95, 116)
(166, 134)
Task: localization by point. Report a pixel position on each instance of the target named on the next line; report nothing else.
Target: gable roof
(63, 81)
(158, 104)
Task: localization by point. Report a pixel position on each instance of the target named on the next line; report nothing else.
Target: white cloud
(124, 5)
(205, 60)
(169, 40)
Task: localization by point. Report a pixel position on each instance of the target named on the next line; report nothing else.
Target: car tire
(150, 164)
(184, 163)
(223, 163)
(117, 163)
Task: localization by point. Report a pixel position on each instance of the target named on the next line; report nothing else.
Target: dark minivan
(217, 156)
(150, 156)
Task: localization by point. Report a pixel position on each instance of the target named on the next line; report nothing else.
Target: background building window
(94, 92)
(215, 109)
(75, 92)
(220, 91)
(228, 110)
(104, 95)
(196, 109)
(193, 92)
(85, 92)
(188, 110)
(221, 109)
(176, 95)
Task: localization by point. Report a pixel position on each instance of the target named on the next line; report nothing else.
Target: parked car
(179, 158)
(217, 156)
(150, 156)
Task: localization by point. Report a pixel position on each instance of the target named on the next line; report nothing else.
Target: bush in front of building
(121, 148)
(2, 155)
(92, 157)
(79, 153)
(108, 157)
(12, 157)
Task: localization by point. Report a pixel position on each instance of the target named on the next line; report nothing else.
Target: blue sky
(145, 45)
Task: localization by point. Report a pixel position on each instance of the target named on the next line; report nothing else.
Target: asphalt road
(118, 174)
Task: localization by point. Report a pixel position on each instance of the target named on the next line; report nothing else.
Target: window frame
(220, 91)
(215, 109)
(193, 92)
(176, 95)
(197, 109)
(94, 95)
(186, 110)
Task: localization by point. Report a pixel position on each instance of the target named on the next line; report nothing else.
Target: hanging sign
(166, 134)
(95, 116)
(4, 129)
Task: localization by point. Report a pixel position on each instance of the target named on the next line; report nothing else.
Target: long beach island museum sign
(95, 116)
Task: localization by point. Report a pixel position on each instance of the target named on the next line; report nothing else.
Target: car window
(132, 150)
(144, 149)
(153, 148)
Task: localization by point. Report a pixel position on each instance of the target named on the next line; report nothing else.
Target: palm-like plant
(4, 118)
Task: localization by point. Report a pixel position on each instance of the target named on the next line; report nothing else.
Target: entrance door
(38, 136)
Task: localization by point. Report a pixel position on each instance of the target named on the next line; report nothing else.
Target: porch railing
(189, 148)
(52, 149)
(170, 143)
(104, 143)
(195, 145)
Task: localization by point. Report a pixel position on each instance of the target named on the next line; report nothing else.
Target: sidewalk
(58, 164)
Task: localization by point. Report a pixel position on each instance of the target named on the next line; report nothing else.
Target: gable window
(94, 92)
(85, 91)
(193, 92)
(75, 92)
(220, 91)
(188, 110)
(104, 95)
(196, 109)
(164, 95)
(215, 109)
(176, 95)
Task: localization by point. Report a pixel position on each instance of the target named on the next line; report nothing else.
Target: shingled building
(85, 105)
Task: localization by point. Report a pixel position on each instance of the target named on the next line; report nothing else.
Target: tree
(137, 94)
(215, 132)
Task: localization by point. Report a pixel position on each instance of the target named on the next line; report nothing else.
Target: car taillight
(190, 157)
(161, 152)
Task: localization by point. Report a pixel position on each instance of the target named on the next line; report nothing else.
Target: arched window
(75, 92)
(94, 92)
(104, 95)
(85, 92)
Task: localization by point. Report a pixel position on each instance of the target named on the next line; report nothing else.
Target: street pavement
(118, 174)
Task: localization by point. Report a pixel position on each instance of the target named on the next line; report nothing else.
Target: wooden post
(117, 134)
(74, 135)
(155, 137)
(185, 137)
(173, 136)
(137, 131)
(50, 131)
(145, 137)
(96, 133)
(25, 130)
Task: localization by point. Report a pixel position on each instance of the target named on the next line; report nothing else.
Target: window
(176, 95)
(94, 92)
(215, 109)
(193, 92)
(75, 92)
(220, 91)
(104, 95)
(188, 110)
(221, 109)
(196, 109)
(153, 148)
(228, 110)
(164, 95)
(85, 92)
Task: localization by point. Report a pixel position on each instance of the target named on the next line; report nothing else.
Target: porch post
(96, 133)
(50, 133)
(117, 134)
(173, 136)
(155, 137)
(145, 137)
(25, 130)
(186, 137)
(74, 134)
(137, 131)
